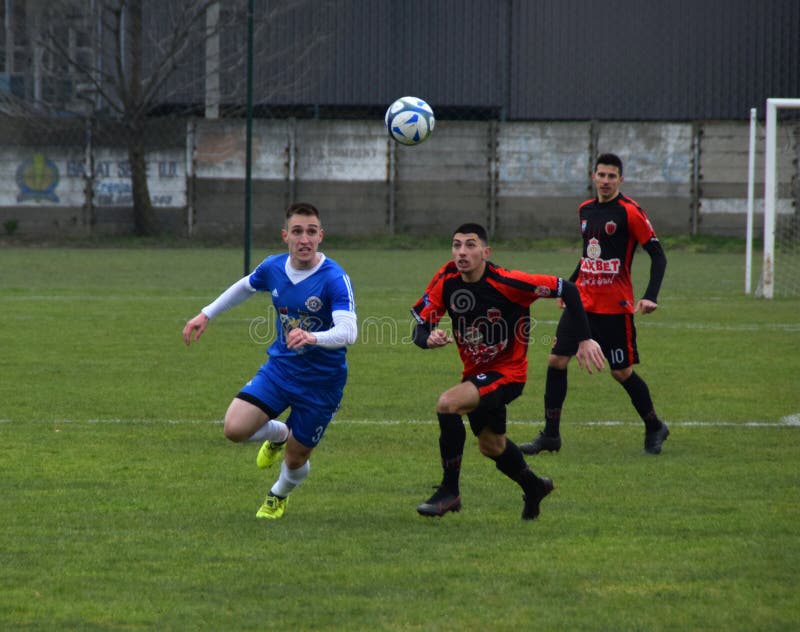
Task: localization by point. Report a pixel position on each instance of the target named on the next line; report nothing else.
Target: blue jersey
(309, 305)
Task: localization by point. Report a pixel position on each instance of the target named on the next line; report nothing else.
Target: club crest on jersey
(593, 250)
(592, 263)
(494, 314)
(313, 303)
(611, 227)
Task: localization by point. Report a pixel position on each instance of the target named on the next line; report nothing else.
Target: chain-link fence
(136, 120)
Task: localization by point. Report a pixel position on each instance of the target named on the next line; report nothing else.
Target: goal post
(751, 173)
(770, 191)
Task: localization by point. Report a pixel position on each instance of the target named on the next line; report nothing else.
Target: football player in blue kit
(307, 369)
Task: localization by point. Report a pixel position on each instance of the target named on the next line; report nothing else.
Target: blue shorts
(313, 407)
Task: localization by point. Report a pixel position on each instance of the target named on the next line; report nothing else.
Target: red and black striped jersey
(490, 318)
(611, 231)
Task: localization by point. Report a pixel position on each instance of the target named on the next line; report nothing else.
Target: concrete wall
(518, 178)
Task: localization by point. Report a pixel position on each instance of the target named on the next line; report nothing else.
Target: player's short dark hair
(302, 208)
(472, 227)
(609, 159)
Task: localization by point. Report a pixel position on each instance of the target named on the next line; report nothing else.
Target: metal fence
(525, 94)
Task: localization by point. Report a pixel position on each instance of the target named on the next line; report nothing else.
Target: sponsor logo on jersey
(313, 303)
(583, 225)
(611, 227)
(472, 336)
(600, 266)
(472, 344)
(541, 290)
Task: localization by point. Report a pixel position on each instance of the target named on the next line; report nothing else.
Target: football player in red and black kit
(612, 225)
(489, 309)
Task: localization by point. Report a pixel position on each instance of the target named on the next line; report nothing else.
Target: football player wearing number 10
(306, 370)
(612, 225)
(489, 309)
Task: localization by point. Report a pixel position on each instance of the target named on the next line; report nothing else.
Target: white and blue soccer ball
(409, 120)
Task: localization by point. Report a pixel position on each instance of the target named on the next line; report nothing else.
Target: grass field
(122, 506)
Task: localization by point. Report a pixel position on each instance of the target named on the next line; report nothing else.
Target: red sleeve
(638, 224)
(524, 288)
(430, 307)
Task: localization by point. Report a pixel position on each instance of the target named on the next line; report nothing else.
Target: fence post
(594, 135)
(697, 135)
(190, 143)
(391, 185)
(89, 219)
(493, 175)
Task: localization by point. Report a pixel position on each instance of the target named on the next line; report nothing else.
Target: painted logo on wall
(37, 179)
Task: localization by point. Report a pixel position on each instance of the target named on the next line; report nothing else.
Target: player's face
(303, 235)
(470, 255)
(607, 181)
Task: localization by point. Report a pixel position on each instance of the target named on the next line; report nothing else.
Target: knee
(447, 405)
(234, 430)
(557, 361)
(620, 375)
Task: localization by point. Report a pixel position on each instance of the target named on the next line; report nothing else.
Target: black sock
(555, 392)
(452, 436)
(637, 389)
(512, 464)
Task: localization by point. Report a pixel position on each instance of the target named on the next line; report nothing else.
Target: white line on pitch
(789, 420)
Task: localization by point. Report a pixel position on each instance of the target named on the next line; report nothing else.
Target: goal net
(780, 271)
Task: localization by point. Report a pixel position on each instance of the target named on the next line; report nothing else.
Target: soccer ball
(409, 120)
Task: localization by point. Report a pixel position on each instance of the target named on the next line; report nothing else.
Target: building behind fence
(526, 95)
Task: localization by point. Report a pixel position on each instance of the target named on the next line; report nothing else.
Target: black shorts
(615, 333)
(496, 390)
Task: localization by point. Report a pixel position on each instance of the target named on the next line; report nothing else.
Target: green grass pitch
(122, 506)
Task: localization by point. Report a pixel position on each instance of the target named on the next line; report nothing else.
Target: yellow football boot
(273, 507)
(269, 454)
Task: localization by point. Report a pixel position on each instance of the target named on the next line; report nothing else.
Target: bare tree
(138, 55)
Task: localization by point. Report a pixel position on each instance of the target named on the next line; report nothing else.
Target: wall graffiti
(50, 179)
(37, 179)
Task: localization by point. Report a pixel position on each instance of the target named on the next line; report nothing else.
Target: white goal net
(780, 271)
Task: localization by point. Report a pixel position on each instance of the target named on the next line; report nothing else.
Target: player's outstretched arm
(197, 325)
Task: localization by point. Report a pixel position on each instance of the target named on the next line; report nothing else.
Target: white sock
(289, 479)
(274, 430)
